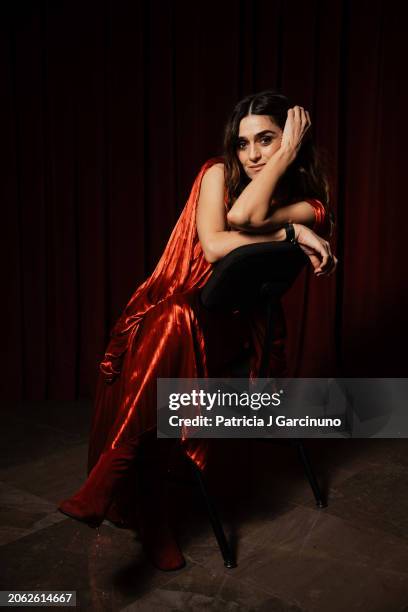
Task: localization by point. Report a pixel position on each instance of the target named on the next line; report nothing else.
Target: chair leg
(225, 548)
(310, 474)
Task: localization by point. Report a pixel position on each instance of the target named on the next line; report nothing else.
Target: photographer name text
(253, 421)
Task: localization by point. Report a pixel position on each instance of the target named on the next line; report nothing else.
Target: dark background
(108, 111)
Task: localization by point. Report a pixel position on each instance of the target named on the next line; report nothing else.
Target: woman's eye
(266, 140)
(241, 145)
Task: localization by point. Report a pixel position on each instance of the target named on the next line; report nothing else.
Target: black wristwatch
(290, 233)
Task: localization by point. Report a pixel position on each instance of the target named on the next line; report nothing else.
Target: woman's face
(258, 139)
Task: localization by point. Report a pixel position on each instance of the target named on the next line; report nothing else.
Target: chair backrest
(252, 272)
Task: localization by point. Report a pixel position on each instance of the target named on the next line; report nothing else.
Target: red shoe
(159, 542)
(70, 508)
(91, 503)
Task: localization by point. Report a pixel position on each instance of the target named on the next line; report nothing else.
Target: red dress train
(163, 332)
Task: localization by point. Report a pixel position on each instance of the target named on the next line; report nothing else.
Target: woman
(267, 178)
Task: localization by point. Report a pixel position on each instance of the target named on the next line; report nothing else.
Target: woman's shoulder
(216, 168)
(213, 181)
(214, 174)
(219, 166)
(213, 165)
(323, 220)
(213, 170)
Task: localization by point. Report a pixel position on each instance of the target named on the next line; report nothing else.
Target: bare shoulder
(215, 173)
(211, 218)
(218, 165)
(211, 207)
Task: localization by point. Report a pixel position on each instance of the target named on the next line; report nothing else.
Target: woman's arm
(216, 241)
(253, 206)
(298, 212)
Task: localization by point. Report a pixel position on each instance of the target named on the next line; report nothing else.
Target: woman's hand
(296, 126)
(317, 249)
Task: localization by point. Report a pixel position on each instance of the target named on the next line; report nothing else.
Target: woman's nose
(254, 152)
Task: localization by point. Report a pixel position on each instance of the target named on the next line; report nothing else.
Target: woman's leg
(166, 345)
(112, 471)
(154, 510)
(170, 342)
(151, 459)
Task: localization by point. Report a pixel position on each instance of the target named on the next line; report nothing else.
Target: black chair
(248, 275)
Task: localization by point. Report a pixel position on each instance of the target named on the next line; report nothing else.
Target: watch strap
(290, 233)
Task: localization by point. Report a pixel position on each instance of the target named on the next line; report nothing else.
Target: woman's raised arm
(216, 241)
(254, 205)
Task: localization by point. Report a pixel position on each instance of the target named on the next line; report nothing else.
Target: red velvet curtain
(108, 110)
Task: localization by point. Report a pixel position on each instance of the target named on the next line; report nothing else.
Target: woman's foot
(92, 502)
(71, 509)
(160, 544)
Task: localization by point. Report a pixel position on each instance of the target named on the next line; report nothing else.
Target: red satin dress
(164, 331)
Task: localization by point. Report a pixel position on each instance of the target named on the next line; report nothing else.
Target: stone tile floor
(351, 556)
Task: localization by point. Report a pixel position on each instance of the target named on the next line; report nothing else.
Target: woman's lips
(256, 167)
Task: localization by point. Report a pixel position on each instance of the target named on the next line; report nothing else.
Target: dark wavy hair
(305, 177)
